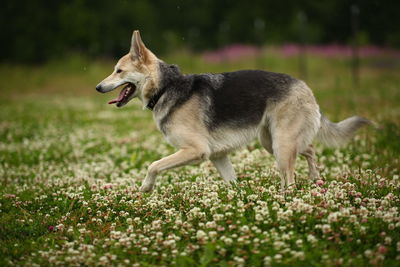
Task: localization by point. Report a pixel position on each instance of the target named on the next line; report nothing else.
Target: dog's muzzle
(99, 88)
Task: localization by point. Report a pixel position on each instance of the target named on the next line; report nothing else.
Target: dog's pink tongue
(119, 98)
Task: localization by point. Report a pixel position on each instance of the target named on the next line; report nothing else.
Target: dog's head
(137, 72)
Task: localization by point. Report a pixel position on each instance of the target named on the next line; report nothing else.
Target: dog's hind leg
(181, 157)
(225, 168)
(285, 154)
(294, 122)
(309, 154)
(285, 132)
(266, 139)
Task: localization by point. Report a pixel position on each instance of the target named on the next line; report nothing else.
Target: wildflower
(212, 234)
(201, 234)
(311, 239)
(267, 260)
(238, 260)
(326, 228)
(211, 224)
(333, 217)
(278, 258)
(228, 241)
(368, 253)
(299, 242)
(388, 240)
(382, 249)
(259, 217)
(107, 186)
(60, 227)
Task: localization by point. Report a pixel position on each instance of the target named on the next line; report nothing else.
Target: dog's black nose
(98, 88)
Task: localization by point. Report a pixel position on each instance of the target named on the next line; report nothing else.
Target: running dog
(207, 116)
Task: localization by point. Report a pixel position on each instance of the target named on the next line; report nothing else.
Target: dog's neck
(169, 76)
(154, 99)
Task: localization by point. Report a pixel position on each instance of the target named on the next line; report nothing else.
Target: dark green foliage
(35, 31)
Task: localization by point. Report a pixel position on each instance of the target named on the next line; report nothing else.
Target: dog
(207, 116)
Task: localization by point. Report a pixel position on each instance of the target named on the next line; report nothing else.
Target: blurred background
(37, 31)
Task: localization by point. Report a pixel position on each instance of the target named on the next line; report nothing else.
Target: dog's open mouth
(124, 96)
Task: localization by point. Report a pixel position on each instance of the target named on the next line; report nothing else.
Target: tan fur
(181, 157)
(188, 129)
(225, 168)
(287, 128)
(188, 133)
(140, 67)
(309, 154)
(266, 139)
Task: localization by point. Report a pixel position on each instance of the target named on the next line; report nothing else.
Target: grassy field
(71, 165)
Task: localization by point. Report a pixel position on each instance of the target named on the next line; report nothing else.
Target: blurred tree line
(37, 30)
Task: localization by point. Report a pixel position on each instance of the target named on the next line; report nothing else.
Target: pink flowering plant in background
(237, 52)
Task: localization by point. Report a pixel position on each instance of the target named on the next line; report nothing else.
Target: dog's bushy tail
(337, 134)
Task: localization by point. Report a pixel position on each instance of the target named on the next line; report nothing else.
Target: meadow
(71, 166)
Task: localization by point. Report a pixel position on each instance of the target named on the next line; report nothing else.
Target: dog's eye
(119, 70)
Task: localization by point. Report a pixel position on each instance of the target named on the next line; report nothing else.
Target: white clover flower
(212, 234)
(201, 234)
(218, 217)
(278, 245)
(211, 224)
(299, 242)
(159, 235)
(311, 239)
(368, 253)
(388, 240)
(252, 197)
(299, 255)
(267, 261)
(169, 243)
(363, 229)
(333, 217)
(245, 229)
(278, 258)
(228, 241)
(156, 224)
(103, 259)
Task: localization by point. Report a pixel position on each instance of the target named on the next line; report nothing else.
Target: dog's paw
(146, 188)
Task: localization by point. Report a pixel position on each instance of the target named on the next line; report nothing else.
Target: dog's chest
(160, 118)
(162, 115)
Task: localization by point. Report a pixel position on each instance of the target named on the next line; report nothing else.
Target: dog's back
(241, 98)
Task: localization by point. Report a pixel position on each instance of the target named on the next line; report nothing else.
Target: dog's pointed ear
(138, 49)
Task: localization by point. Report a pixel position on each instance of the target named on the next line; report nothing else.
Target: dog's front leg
(182, 157)
(225, 168)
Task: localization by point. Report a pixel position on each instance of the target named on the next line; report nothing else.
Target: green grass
(71, 165)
